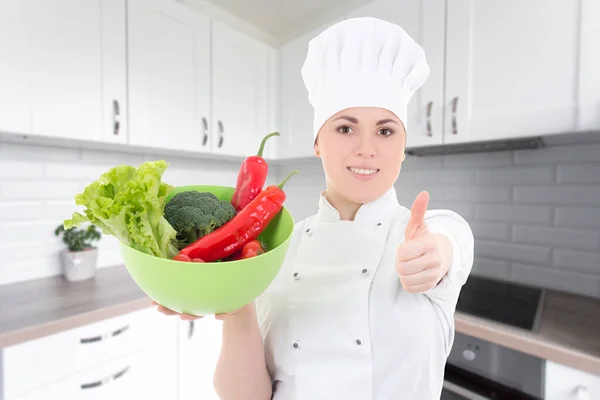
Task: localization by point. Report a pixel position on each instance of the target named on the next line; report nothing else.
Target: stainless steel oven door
(452, 391)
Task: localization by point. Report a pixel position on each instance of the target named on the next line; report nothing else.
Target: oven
(481, 370)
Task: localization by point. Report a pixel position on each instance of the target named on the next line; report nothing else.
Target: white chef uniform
(335, 322)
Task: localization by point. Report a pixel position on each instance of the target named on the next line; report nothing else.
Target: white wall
(37, 189)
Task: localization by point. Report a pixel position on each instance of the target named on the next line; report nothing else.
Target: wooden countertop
(33, 309)
(568, 332)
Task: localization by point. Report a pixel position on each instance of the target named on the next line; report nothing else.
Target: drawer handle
(454, 108)
(221, 134)
(205, 131)
(99, 338)
(429, 107)
(581, 393)
(104, 381)
(191, 330)
(116, 117)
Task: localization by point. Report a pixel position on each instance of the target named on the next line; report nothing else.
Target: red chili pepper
(251, 178)
(244, 227)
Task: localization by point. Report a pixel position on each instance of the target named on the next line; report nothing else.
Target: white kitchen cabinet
(150, 373)
(513, 69)
(566, 383)
(15, 110)
(240, 96)
(199, 347)
(63, 71)
(589, 65)
(169, 76)
(296, 112)
(424, 21)
(79, 349)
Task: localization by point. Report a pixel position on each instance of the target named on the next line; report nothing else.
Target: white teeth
(363, 171)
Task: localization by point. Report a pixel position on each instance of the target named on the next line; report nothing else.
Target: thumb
(417, 215)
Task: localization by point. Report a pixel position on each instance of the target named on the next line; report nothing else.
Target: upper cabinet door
(169, 76)
(240, 72)
(296, 112)
(15, 107)
(512, 68)
(589, 66)
(424, 21)
(75, 68)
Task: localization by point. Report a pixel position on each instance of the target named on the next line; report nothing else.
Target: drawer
(48, 359)
(148, 374)
(566, 383)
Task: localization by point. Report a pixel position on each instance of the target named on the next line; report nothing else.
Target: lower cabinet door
(199, 349)
(147, 374)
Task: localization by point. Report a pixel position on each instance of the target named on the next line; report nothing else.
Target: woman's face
(362, 150)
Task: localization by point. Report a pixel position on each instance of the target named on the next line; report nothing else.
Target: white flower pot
(79, 265)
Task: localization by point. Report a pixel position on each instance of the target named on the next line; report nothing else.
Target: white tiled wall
(37, 189)
(535, 214)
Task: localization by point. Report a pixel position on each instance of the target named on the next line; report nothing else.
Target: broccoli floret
(195, 214)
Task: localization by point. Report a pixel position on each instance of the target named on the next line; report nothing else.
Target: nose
(365, 146)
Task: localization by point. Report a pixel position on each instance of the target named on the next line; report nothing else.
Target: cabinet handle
(205, 131)
(191, 330)
(104, 381)
(105, 336)
(454, 107)
(116, 117)
(429, 107)
(221, 134)
(581, 393)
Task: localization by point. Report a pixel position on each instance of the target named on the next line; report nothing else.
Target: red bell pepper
(251, 178)
(244, 227)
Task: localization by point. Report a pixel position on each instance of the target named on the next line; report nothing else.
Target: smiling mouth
(363, 171)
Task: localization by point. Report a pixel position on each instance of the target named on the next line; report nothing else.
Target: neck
(346, 208)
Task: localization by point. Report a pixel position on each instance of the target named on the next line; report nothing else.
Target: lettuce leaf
(128, 203)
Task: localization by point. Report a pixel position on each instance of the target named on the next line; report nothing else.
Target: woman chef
(363, 305)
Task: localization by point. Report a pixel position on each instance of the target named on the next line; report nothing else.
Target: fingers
(189, 317)
(415, 248)
(428, 261)
(186, 317)
(417, 215)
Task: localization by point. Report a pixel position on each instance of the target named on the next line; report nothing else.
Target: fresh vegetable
(182, 257)
(241, 229)
(195, 214)
(251, 178)
(252, 249)
(128, 202)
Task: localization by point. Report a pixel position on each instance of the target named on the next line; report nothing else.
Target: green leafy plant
(78, 239)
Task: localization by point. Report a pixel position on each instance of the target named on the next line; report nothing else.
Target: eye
(385, 132)
(344, 129)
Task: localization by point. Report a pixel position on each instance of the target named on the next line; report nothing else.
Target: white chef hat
(362, 62)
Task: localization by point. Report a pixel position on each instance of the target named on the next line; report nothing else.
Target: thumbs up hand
(424, 257)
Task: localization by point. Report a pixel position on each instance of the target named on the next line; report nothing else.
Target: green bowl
(211, 288)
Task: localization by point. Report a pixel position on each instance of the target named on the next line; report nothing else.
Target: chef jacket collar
(379, 210)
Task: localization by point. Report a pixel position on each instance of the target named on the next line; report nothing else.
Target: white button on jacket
(336, 322)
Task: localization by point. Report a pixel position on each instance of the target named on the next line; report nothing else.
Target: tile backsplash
(37, 189)
(535, 213)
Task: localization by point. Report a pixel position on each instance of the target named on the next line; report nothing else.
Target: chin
(361, 194)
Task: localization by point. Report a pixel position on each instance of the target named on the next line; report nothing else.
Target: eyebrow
(355, 121)
(386, 121)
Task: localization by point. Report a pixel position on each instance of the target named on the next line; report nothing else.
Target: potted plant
(80, 257)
